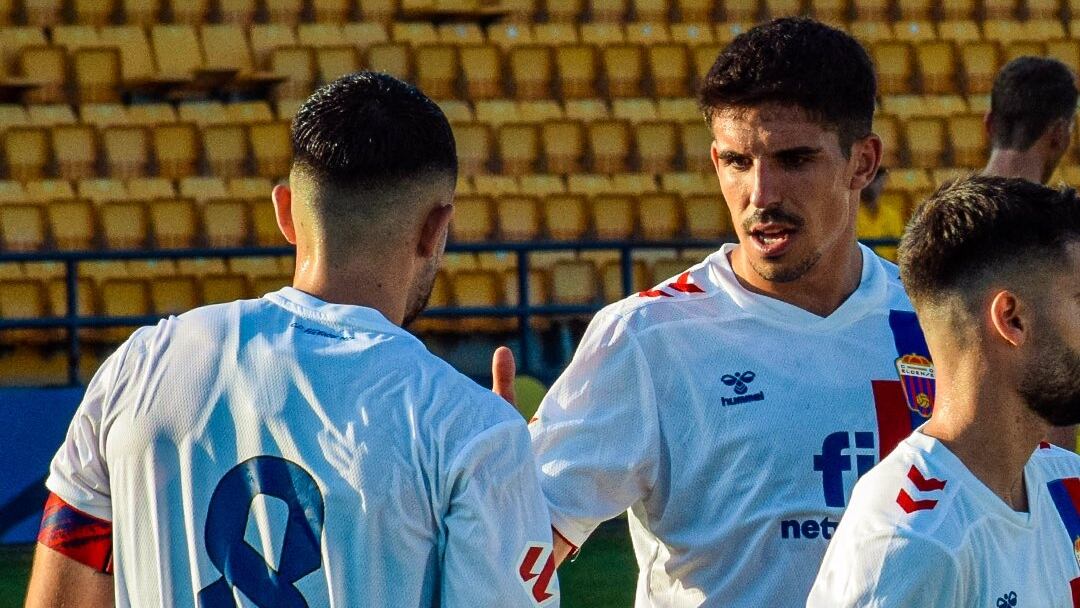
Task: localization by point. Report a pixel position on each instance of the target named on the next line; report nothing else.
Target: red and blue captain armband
(77, 535)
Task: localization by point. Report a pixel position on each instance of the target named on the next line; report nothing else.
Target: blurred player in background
(963, 513)
(303, 449)
(731, 407)
(1031, 119)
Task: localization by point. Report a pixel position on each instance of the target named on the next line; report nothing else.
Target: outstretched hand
(503, 371)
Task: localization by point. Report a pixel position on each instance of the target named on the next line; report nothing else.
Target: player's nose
(766, 187)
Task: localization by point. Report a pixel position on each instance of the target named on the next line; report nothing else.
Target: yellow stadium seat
(959, 9)
(265, 37)
(174, 223)
(564, 146)
(284, 11)
(690, 183)
(49, 191)
(494, 185)
(915, 31)
(85, 296)
(333, 62)
(888, 129)
(999, 9)
(255, 266)
(437, 68)
(482, 69)
(830, 11)
(475, 289)
(624, 68)
(474, 219)
(122, 298)
(1044, 9)
(93, 12)
(587, 110)
(297, 65)
(102, 114)
(12, 191)
(633, 183)
(13, 39)
(565, 217)
(660, 216)
(474, 147)
(894, 66)
(27, 152)
(225, 148)
(696, 11)
(23, 299)
(937, 65)
(71, 224)
(649, 31)
(1044, 30)
(613, 217)
(1025, 48)
(540, 111)
(173, 295)
(148, 188)
(959, 30)
(656, 145)
(982, 60)
(461, 34)
(873, 10)
(872, 32)
(741, 10)
(51, 115)
(696, 143)
(706, 217)
(176, 148)
(150, 114)
(519, 148)
(908, 180)
(238, 12)
(969, 140)
(46, 66)
(573, 282)
(611, 277)
(519, 218)
(1004, 30)
(136, 57)
(702, 58)
(264, 224)
(692, 33)
(225, 222)
(203, 188)
(221, 288)
(577, 67)
(150, 269)
(1065, 51)
(319, 35)
(608, 11)
(541, 185)
(102, 189)
(225, 47)
(496, 112)
(609, 145)
(75, 149)
(176, 49)
(250, 187)
(96, 74)
(271, 146)
(925, 141)
(124, 224)
(634, 110)
(22, 227)
(564, 11)
(12, 115)
(510, 34)
(916, 9)
(248, 112)
(146, 12)
(391, 57)
(669, 65)
(602, 34)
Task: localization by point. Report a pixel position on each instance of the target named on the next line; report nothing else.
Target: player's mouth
(772, 240)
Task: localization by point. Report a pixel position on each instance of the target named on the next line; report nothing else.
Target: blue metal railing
(522, 311)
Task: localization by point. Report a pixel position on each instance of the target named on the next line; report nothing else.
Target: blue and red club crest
(917, 378)
(1066, 496)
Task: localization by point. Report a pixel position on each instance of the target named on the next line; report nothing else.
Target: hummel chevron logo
(922, 484)
(681, 285)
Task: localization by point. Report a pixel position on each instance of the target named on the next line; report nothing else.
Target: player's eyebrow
(730, 155)
(798, 151)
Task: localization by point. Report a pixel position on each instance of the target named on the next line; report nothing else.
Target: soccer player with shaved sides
(973, 509)
(730, 409)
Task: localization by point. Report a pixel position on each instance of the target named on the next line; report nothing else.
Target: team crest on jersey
(1066, 496)
(917, 378)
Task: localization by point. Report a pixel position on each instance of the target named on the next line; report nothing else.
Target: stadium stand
(141, 128)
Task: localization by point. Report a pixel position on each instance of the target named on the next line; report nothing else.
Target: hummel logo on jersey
(681, 285)
(923, 485)
(739, 382)
(1007, 601)
(833, 462)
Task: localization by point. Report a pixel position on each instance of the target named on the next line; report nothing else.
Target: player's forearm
(563, 549)
(57, 581)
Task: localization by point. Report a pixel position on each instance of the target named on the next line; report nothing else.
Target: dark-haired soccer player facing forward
(971, 510)
(731, 408)
(302, 449)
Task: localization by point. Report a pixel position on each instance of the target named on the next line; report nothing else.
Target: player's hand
(503, 371)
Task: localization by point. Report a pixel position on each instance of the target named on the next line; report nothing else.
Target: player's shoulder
(897, 297)
(693, 293)
(1051, 462)
(911, 493)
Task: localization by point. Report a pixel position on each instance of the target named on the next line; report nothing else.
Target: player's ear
(1006, 318)
(866, 157)
(433, 230)
(282, 197)
(714, 154)
(1061, 131)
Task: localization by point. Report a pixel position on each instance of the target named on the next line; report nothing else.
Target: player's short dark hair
(980, 225)
(1029, 94)
(370, 130)
(801, 62)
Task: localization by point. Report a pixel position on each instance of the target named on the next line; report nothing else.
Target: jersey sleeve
(887, 571)
(498, 549)
(78, 474)
(596, 433)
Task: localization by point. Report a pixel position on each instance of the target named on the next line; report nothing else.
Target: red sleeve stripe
(77, 535)
(573, 548)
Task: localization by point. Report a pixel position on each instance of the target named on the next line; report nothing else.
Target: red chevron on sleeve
(77, 535)
(910, 505)
(683, 284)
(922, 483)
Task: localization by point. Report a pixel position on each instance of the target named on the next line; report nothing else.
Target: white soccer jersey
(731, 425)
(923, 531)
(289, 452)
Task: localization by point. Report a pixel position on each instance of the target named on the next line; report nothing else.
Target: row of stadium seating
(92, 67)
(47, 12)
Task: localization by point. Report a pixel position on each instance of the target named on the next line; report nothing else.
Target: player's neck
(823, 288)
(988, 427)
(355, 284)
(1029, 164)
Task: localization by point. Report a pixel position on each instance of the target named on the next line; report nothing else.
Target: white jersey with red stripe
(922, 530)
(289, 452)
(731, 426)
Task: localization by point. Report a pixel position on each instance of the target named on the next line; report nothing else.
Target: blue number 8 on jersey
(240, 565)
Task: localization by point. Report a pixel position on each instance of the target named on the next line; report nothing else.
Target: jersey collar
(354, 317)
(869, 297)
